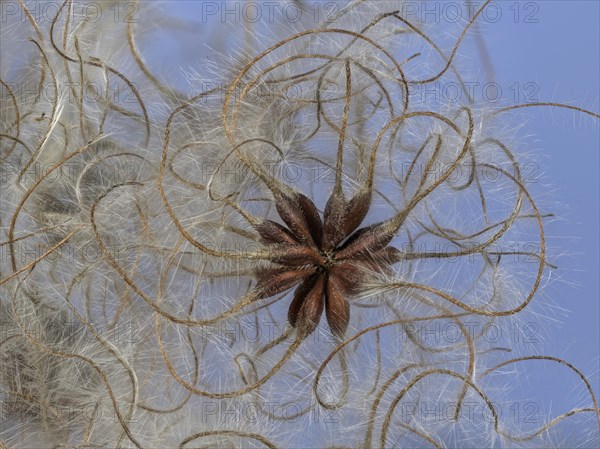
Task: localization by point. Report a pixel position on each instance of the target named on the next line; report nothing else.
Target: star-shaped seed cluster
(327, 259)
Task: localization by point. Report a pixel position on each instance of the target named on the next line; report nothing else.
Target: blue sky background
(560, 54)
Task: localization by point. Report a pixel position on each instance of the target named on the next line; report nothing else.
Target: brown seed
(272, 281)
(311, 306)
(366, 240)
(334, 216)
(290, 211)
(315, 225)
(357, 210)
(337, 308)
(298, 255)
(347, 276)
(272, 232)
(299, 297)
